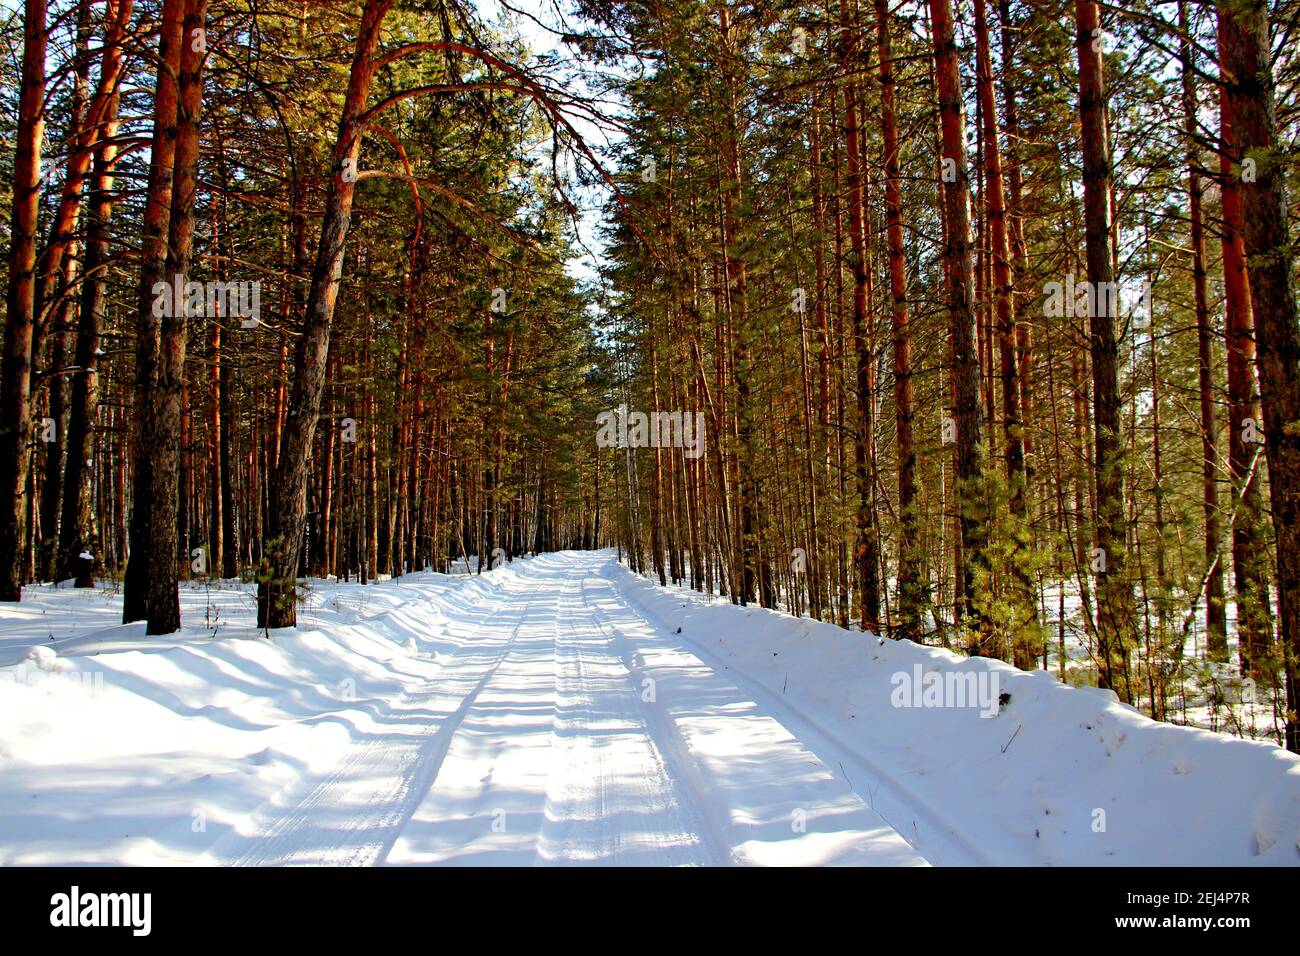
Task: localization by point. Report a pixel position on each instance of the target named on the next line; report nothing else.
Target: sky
(538, 21)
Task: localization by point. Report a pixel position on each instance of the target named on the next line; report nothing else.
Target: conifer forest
(966, 323)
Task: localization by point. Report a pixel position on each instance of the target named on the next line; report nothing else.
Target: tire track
(611, 797)
(353, 815)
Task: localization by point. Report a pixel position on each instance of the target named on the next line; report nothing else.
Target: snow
(1024, 787)
(561, 710)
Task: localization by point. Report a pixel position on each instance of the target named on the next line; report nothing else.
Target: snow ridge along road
(573, 731)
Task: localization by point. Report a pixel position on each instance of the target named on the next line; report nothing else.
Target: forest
(966, 322)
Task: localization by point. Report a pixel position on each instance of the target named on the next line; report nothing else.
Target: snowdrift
(1060, 776)
(117, 748)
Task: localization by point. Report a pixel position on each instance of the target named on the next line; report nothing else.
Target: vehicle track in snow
(570, 730)
(352, 814)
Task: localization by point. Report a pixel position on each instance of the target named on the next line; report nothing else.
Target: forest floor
(562, 710)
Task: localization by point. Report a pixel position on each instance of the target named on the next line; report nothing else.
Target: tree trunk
(277, 587)
(866, 547)
(1216, 619)
(1251, 575)
(1245, 55)
(77, 520)
(15, 390)
(157, 576)
(968, 413)
(913, 588)
(1115, 590)
(82, 134)
(137, 591)
(1023, 624)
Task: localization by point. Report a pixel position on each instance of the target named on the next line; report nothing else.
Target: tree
(163, 325)
(15, 388)
(1115, 591)
(1245, 53)
(277, 589)
(913, 592)
(968, 414)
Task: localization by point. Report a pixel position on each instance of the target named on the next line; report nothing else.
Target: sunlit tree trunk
(137, 603)
(1115, 589)
(15, 388)
(1245, 55)
(913, 587)
(152, 586)
(277, 587)
(968, 414)
(1251, 574)
(76, 524)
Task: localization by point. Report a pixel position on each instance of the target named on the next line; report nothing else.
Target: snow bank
(1059, 776)
(117, 748)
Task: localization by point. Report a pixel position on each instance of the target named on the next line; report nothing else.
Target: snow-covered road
(563, 710)
(573, 730)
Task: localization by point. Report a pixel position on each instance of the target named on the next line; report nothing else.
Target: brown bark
(1245, 55)
(1251, 576)
(151, 591)
(220, 535)
(77, 521)
(913, 588)
(136, 603)
(866, 546)
(753, 572)
(15, 391)
(276, 592)
(491, 415)
(1016, 216)
(1115, 590)
(59, 338)
(968, 413)
(1023, 626)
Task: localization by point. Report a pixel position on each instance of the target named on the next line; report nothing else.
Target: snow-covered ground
(562, 710)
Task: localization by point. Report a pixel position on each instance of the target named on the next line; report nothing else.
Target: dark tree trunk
(82, 134)
(76, 525)
(1216, 618)
(160, 439)
(866, 548)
